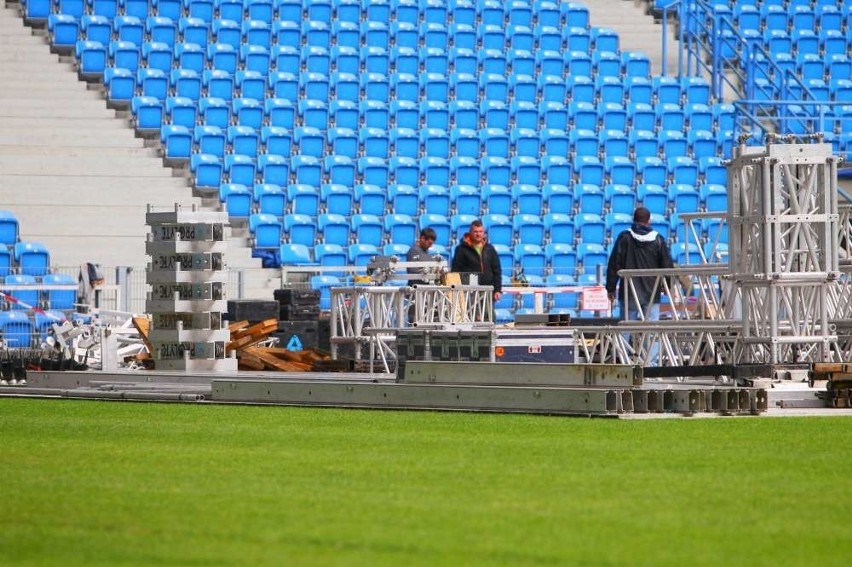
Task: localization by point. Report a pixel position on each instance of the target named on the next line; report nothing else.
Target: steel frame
(370, 315)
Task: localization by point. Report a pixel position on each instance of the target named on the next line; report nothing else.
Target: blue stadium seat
(339, 170)
(712, 170)
(60, 299)
(177, 141)
(374, 114)
(592, 256)
(272, 168)
(300, 229)
(210, 140)
(434, 114)
(523, 89)
(336, 199)
(560, 257)
(400, 228)
(684, 198)
(673, 143)
(686, 254)
(499, 228)
(440, 224)
(653, 197)
(464, 170)
(404, 170)
(243, 140)
(523, 114)
(531, 259)
(367, 228)
(161, 29)
(91, 57)
(590, 227)
(403, 199)
(16, 328)
(620, 170)
(434, 199)
(638, 90)
(329, 255)
(120, 85)
(240, 168)
(465, 200)
(185, 83)
(269, 199)
(465, 143)
(63, 30)
(497, 199)
(714, 197)
(9, 227)
(494, 142)
(558, 198)
(334, 228)
(360, 254)
(615, 143)
(373, 171)
(207, 171)
(405, 87)
(293, 254)
(266, 230)
(529, 229)
(528, 199)
(303, 199)
(29, 294)
(370, 199)
(683, 169)
(324, 283)
(616, 223)
(651, 170)
(237, 200)
(5, 260)
(589, 198)
(620, 198)
(589, 169)
(94, 27)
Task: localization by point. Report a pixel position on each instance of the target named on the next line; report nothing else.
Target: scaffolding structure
(370, 316)
(781, 298)
(783, 227)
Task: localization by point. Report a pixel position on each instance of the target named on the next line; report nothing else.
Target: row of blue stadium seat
(241, 201)
(37, 292)
(610, 144)
(229, 82)
(212, 169)
(23, 330)
(17, 256)
(231, 56)
(269, 231)
(516, 12)
(533, 261)
(340, 34)
(458, 116)
(792, 17)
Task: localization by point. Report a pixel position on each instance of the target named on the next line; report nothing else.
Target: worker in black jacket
(475, 255)
(638, 248)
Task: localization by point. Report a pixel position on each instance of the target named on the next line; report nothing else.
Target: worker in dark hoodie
(474, 255)
(638, 248)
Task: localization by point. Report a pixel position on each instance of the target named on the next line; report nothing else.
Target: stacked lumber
(251, 355)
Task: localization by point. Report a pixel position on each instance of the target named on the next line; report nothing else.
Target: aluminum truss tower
(783, 234)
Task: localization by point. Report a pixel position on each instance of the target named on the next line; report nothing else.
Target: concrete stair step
(83, 165)
(19, 191)
(72, 138)
(56, 151)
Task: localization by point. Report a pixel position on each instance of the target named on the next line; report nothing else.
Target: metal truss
(370, 316)
(783, 293)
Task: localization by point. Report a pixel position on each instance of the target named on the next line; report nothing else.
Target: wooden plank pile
(251, 355)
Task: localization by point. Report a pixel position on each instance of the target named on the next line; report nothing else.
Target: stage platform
(554, 389)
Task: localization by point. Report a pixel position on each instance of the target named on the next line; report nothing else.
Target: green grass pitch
(105, 483)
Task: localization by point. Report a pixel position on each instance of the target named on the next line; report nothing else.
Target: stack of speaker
(298, 319)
